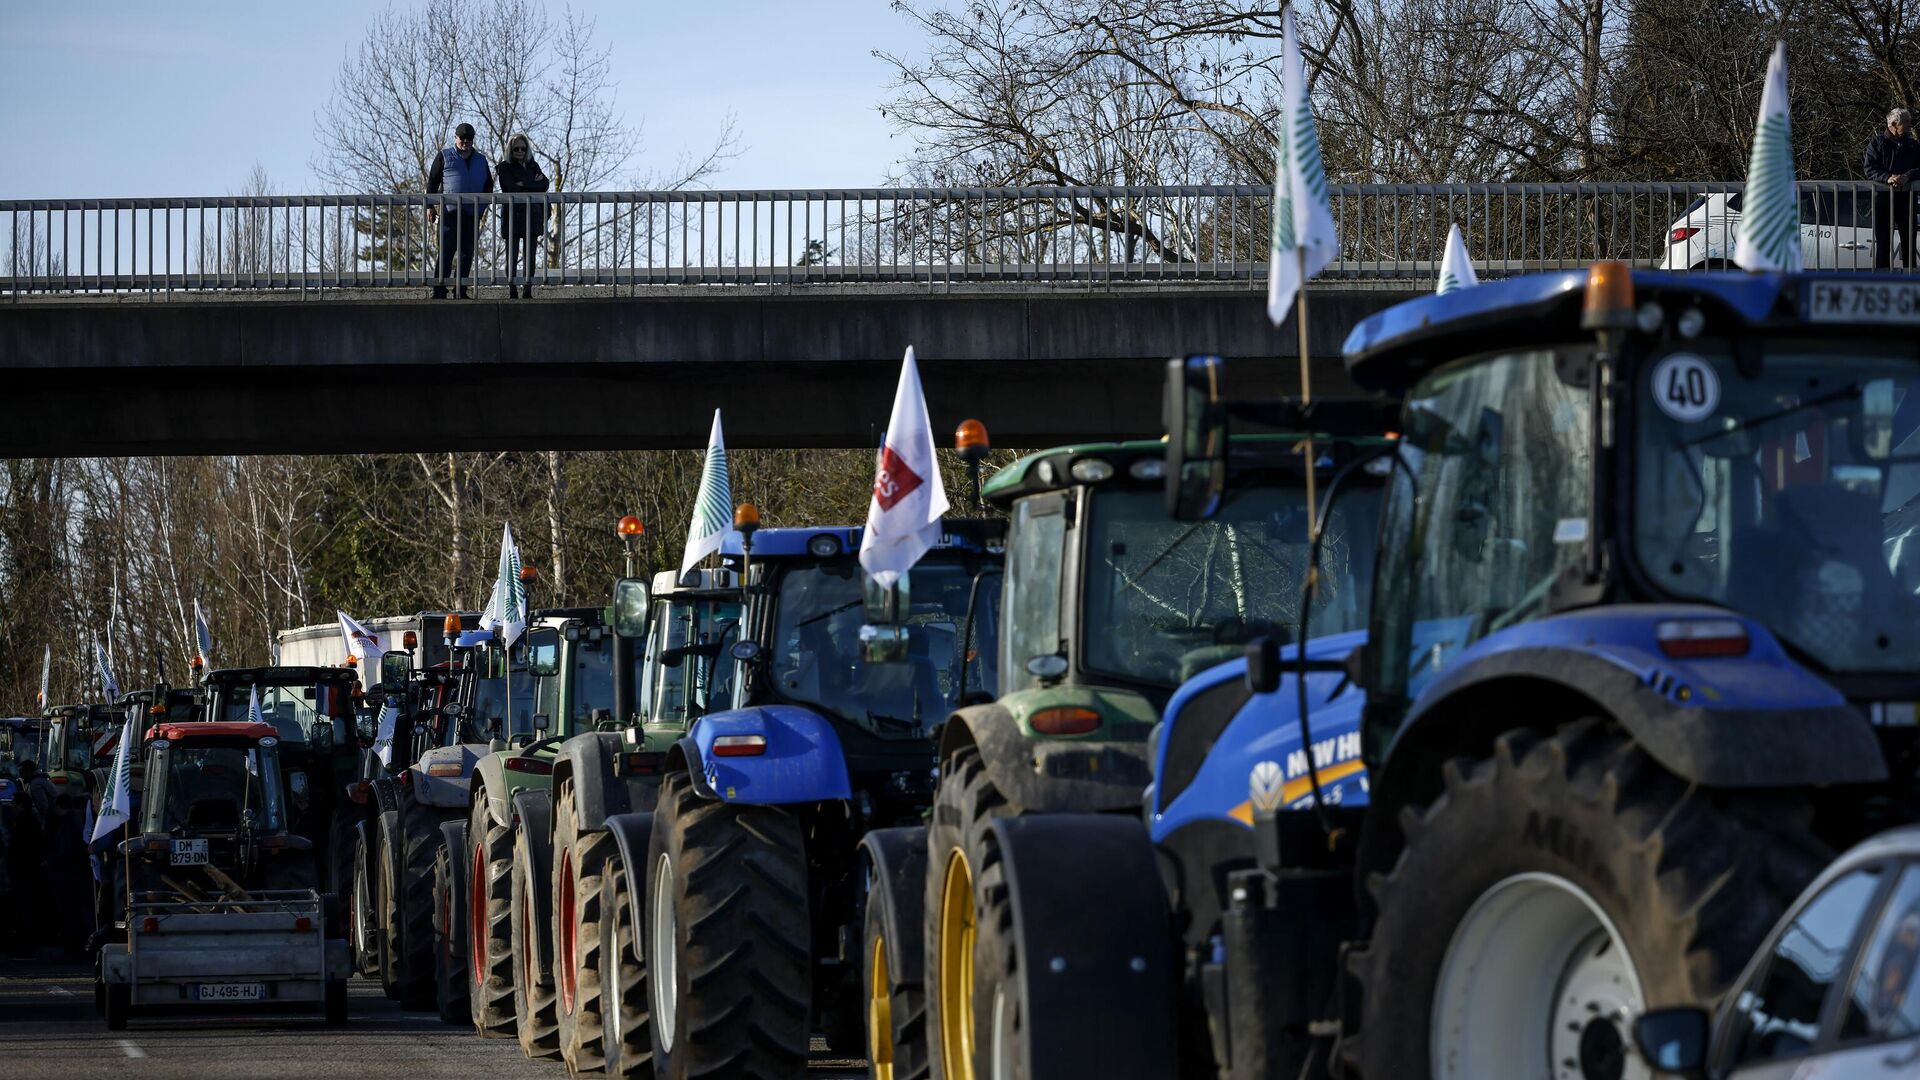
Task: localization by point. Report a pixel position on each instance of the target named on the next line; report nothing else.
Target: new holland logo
(1266, 787)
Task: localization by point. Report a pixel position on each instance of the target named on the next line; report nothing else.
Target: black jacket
(1888, 157)
(515, 176)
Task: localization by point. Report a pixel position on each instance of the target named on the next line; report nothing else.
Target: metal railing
(1089, 237)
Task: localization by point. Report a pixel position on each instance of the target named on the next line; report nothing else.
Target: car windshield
(816, 653)
(1785, 484)
(1166, 599)
(208, 788)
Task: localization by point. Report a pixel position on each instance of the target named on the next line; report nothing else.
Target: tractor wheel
(896, 1011)
(626, 1045)
(535, 1004)
(1553, 891)
(578, 861)
(969, 919)
(119, 1006)
(336, 1006)
(726, 938)
(363, 918)
(489, 918)
(380, 869)
(449, 959)
(411, 835)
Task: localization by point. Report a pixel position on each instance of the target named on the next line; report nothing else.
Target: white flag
(903, 520)
(1768, 235)
(1302, 216)
(383, 738)
(109, 686)
(202, 636)
(713, 510)
(117, 805)
(506, 613)
(361, 642)
(46, 673)
(1456, 266)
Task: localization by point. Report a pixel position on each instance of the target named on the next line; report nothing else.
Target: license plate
(230, 992)
(1863, 301)
(188, 853)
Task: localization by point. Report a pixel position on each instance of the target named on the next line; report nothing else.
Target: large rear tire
(626, 1039)
(1552, 891)
(412, 836)
(578, 861)
(535, 1004)
(489, 918)
(449, 957)
(727, 938)
(969, 916)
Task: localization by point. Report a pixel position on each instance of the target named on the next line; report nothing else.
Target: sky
(114, 99)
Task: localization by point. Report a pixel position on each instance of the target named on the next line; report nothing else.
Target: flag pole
(1306, 391)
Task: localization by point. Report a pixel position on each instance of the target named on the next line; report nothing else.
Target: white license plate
(230, 991)
(188, 853)
(1863, 301)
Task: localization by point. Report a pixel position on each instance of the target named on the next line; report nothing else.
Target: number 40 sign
(1686, 387)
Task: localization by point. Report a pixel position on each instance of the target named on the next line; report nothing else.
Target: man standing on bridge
(1893, 159)
(458, 170)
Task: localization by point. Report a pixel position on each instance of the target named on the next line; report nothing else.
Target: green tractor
(79, 741)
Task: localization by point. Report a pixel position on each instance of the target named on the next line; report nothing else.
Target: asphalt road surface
(48, 1029)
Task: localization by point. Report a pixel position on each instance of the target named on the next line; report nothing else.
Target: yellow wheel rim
(879, 1014)
(956, 968)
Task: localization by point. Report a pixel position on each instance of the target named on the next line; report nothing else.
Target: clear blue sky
(123, 99)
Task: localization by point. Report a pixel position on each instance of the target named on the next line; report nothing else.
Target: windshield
(689, 640)
(592, 680)
(292, 710)
(207, 788)
(816, 654)
(490, 704)
(1166, 599)
(1786, 486)
(28, 742)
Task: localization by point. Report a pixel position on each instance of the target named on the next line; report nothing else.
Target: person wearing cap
(522, 223)
(458, 170)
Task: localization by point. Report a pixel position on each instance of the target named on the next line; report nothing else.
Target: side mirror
(630, 600)
(1263, 665)
(1047, 666)
(1196, 419)
(1675, 1040)
(396, 667)
(884, 644)
(541, 722)
(543, 651)
(886, 604)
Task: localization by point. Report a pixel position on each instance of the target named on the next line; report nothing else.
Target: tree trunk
(556, 500)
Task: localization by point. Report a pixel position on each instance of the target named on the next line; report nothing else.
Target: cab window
(1884, 1002)
(1778, 1015)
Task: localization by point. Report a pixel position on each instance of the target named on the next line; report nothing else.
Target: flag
(713, 510)
(202, 636)
(383, 738)
(1768, 235)
(46, 673)
(109, 686)
(506, 613)
(117, 805)
(1302, 216)
(903, 520)
(361, 642)
(1456, 266)
(254, 715)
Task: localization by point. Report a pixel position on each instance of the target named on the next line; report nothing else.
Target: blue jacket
(460, 176)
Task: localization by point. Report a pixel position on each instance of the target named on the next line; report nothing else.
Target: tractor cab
(214, 812)
(77, 741)
(494, 691)
(571, 655)
(687, 669)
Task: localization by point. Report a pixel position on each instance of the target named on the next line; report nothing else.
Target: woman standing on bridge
(524, 221)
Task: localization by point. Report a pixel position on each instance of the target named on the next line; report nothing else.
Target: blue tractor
(1642, 655)
(734, 910)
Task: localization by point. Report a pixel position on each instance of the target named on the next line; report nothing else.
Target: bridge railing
(1091, 237)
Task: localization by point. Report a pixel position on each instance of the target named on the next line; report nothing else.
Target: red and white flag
(903, 520)
(361, 642)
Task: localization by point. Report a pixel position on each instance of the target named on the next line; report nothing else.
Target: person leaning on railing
(1893, 159)
(458, 170)
(523, 222)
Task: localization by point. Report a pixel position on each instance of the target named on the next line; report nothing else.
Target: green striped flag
(506, 613)
(116, 804)
(1456, 266)
(713, 510)
(1302, 215)
(1768, 236)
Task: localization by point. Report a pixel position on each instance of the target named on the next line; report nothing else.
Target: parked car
(1836, 231)
(1834, 992)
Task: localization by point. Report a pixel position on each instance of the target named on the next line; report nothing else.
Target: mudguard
(533, 819)
(802, 763)
(1756, 720)
(454, 834)
(451, 792)
(896, 861)
(631, 834)
(1052, 775)
(587, 760)
(1091, 922)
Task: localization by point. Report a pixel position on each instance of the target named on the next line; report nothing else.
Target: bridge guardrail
(1214, 235)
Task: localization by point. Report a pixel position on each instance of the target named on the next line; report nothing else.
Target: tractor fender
(454, 834)
(451, 792)
(587, 760)
(896, 864)
(684, 756)
(631, 834)
(802, 761)
(1051, 775)
(1091, 922)
(533, 819)
(489, 779)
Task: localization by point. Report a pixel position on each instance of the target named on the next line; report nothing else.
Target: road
(48, 1029)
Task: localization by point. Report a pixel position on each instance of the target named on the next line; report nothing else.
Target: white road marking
(59, 991)
(132, 1048)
